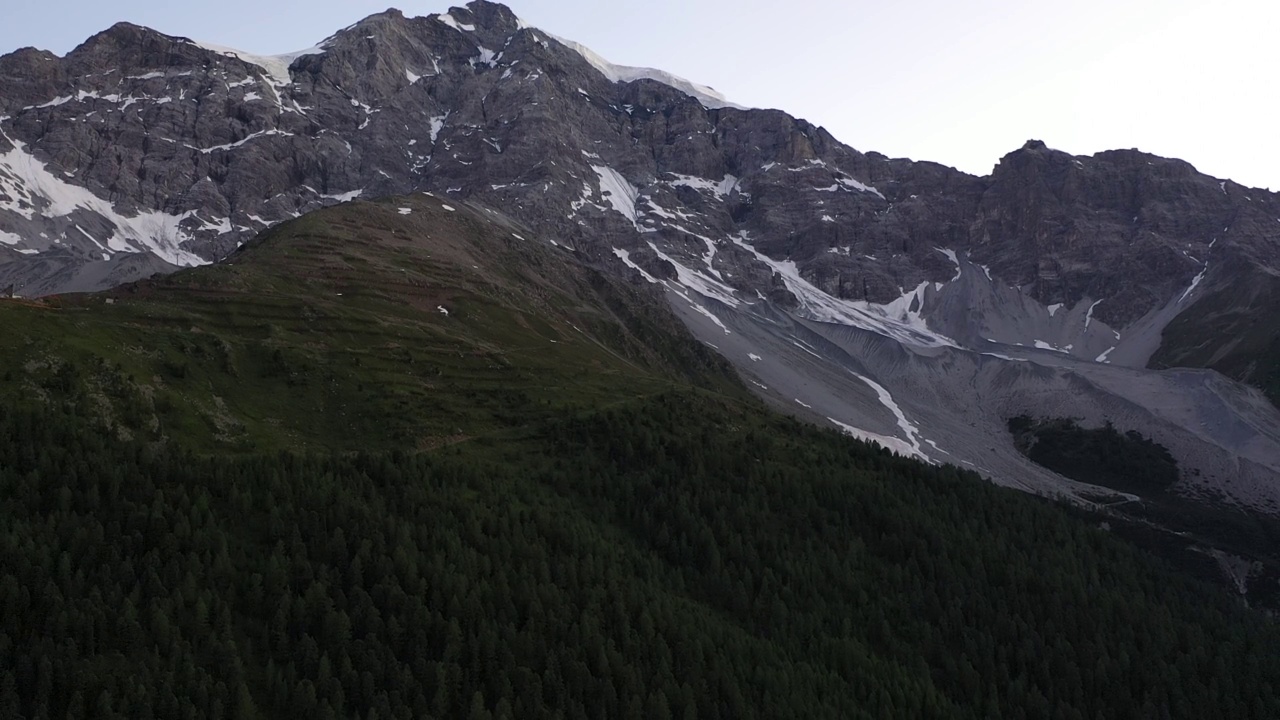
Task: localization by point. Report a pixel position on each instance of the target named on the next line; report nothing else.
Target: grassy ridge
(354, 328)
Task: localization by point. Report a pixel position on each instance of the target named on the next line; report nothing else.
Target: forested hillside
(672, 557)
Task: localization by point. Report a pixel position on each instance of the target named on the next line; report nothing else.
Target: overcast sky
(961, 83)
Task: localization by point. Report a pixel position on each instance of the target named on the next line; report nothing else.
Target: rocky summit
(907, 302)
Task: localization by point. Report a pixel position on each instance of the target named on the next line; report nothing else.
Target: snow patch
(721, 188)
(221, 226)
(248, 138)
(912, 443)
(697, 282)
(623, 74)
(1088, 318)
(447, 19)
(1006, 357)
(1195, 282)
(1053, 309)
(951, 255)
(709, 258)
(625, 257)
(437, 124)
(406, 211)
(1042, 345)
(710, 315)
(276, 66)
(583, 201)
(486, 57)
(344, 197)
(807, 349)
(661, 212)
(905, 327)
(621, 194)
(80, 96)
(889, 443)
(52, 103)
(849, 183)
(23, 176)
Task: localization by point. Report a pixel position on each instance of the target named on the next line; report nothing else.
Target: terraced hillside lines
(359, 327)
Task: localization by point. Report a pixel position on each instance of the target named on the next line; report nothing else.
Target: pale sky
(960, 83)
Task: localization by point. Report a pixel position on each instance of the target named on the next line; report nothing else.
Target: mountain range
(445, 369)
(905, 303)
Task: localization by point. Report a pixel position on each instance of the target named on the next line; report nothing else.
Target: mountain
(405, 458)
(904, 302)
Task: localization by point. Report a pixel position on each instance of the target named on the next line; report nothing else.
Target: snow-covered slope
(34, 191)
(276, 66)
(709, 97)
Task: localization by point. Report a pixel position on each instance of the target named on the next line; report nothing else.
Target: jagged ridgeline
(561, 505)
(140, 152)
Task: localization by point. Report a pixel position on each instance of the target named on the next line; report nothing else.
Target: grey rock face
(219, 145)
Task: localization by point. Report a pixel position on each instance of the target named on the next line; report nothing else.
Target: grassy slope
(327, 333)
(1230, 329)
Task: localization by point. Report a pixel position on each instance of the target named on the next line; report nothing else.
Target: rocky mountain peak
(139, 143)
(26, 75)
(494, 18)
(1034, 157)
(120, 34)
(126, 46)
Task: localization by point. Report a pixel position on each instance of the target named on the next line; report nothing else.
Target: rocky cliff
(140, 152)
